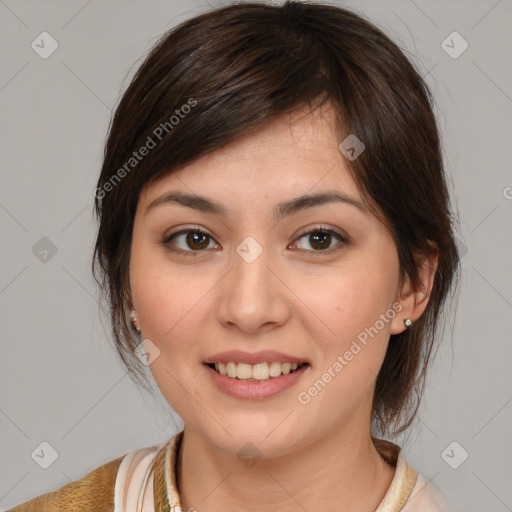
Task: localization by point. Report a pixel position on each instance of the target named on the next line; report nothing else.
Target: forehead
(295, 153)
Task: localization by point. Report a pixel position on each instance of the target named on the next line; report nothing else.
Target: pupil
(325, 236)
(192, 238)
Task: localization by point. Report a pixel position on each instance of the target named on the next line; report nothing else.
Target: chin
(254, 439)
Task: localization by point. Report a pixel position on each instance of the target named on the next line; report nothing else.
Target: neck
(343, 471)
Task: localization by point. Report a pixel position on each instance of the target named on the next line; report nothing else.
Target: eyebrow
(280, 211)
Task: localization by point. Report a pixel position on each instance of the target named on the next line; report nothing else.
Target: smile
(249, 388)
(255, 372)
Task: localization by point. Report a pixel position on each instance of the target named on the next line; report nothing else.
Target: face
(316, 283)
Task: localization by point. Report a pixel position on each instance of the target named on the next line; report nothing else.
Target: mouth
(259, 372)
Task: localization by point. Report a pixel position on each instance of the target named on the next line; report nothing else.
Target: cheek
(350, 359)
(168, 307)
(172, 303)
(169, 304)
(351, 298)
(158, 294)
(155, 287)
(354, 305)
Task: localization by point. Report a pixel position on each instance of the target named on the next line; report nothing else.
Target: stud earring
(408, 323)
(134, 321)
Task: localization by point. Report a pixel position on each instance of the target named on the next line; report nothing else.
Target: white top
(134, 481)
(425, 497)
(134, 485)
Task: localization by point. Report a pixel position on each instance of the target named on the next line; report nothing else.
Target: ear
(414, 301)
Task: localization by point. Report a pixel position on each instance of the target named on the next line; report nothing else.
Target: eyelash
(317, 229)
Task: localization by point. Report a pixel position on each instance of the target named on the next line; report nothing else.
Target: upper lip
(238, 356)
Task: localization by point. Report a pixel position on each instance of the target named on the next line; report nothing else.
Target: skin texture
(311, 304)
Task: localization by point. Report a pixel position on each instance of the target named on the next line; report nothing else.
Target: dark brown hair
(226, 73)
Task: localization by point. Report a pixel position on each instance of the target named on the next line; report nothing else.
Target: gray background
(60, 380)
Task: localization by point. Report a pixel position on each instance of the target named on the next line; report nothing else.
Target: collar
(167, 498)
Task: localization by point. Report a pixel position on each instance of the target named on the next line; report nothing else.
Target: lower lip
(255, 390)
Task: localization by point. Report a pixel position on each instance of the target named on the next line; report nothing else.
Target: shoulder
(135, 478)
(94, 491)
(426, 497)
(409, 491)
(102, 489)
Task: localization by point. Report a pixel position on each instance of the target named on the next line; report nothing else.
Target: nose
(252, 297)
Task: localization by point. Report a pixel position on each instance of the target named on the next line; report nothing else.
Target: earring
(408, 323)
(134, 321)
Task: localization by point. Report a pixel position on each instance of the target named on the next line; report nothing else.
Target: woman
(275, 242)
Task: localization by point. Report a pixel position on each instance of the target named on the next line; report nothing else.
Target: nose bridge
(250, 272)
(250, 297)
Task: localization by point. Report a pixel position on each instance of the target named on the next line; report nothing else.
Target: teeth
(259, 371)
(275, 369)
(231, 370)
(243, 371)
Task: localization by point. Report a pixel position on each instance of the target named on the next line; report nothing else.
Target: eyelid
(194, 228)
(321, 227)
(344, 239)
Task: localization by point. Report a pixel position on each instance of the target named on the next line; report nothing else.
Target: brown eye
(196, 240)
(188, 242)
(321, 240)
